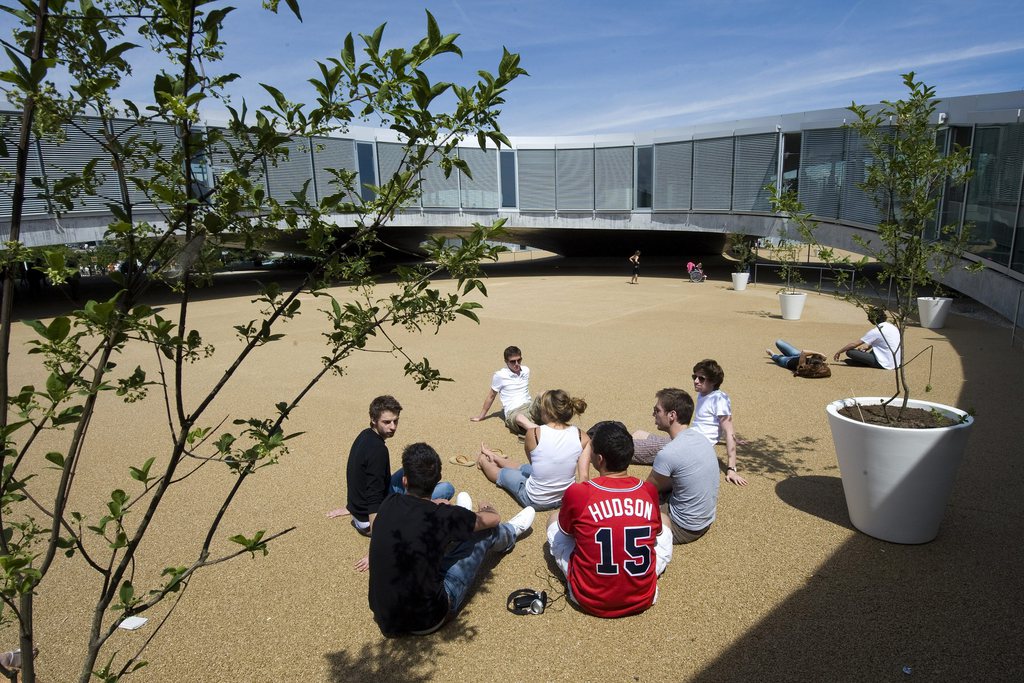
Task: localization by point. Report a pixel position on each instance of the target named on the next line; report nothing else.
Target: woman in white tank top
(558, 452)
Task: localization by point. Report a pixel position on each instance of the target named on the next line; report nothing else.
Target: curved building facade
(679, 190)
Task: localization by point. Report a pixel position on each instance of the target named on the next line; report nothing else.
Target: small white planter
(792, 305)
(897, 481)
(932, 310)
(739, 281)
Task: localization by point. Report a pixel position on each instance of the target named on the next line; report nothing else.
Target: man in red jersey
(607, 538)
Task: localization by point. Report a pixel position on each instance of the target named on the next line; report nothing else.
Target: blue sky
(600, 66)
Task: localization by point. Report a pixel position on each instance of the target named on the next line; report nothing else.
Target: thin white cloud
(846, 17)
(602, 66)
(636, 115)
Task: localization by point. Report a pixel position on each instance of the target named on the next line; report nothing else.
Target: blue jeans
(513, 480)
(443, 489)
(462, 563)
(790, 355)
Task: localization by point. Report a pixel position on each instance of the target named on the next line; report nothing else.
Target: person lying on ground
(809, 364)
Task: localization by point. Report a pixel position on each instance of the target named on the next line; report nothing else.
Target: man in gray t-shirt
(687, 467)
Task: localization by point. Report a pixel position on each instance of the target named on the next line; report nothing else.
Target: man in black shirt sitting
(368, 470)
(425, 554)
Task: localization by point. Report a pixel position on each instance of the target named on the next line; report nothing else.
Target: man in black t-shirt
(368, 471)
(416, 582)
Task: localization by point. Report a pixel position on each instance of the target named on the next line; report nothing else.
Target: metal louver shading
(481, 190)
(757, 158)
(575, 179)
(613, 178)
(712, 174)
(673, 168)
(537, 179)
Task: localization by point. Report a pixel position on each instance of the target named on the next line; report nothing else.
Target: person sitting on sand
(368, 470)
(557, 453)
(712, 418)
(686, 468)
(512, 384)
(608, 538)
(878, 348)
(425, 554)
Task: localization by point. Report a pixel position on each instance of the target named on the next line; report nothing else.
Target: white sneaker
(464, 501)
(523, 521)
(12, 659)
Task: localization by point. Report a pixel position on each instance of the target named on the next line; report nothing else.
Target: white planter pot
(897, 481)
(739, 281)
(932, 310)
(792, 305)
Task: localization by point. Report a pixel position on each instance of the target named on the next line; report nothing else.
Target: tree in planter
(787, 252)
(82, 44)
(905, 178)
(740, 247)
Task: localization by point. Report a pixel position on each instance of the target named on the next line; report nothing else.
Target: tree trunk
(25, 635)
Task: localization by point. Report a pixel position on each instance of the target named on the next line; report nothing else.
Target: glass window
(953, 195)
(1017, 263)
(508, 179)
(994, 189)
(644, 177)
(367, 176)
(791, 161)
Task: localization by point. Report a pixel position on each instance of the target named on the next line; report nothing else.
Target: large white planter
(739, 281)
(792, 305)
(933, 310)
(897, 481)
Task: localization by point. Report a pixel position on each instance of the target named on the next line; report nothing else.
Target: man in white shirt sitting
(512, 384)
(879, 348)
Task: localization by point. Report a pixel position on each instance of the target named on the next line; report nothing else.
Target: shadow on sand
(816, 495)
(948, 610)
(774, 457)
(410, 658)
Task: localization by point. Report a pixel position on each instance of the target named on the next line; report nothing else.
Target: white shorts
(562, 545)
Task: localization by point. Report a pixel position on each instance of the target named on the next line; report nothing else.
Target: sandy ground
(782, 588)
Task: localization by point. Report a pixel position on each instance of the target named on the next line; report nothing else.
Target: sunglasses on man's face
(515, 361)
(699, 377)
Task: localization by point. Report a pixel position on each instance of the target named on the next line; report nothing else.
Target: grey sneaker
(523, 521)
(464, 501)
